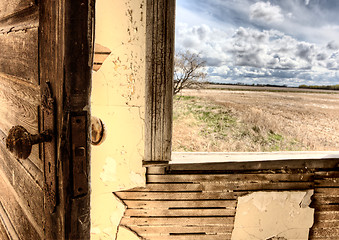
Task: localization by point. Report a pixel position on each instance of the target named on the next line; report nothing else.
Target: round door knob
(98, 131)
(19, 141)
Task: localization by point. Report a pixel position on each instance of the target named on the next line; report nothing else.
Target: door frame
(66, 38)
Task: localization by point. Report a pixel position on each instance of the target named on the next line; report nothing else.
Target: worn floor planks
(202, 205)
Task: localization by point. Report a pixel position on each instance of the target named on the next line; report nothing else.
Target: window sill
(218, 157)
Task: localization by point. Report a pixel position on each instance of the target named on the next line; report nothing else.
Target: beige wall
(118, 98)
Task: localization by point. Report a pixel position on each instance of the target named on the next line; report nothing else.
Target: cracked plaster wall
(118, 99)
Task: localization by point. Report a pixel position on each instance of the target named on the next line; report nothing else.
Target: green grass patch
(221, 127)
(213, 118)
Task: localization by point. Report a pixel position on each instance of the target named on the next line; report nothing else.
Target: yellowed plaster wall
(118, 99)
(273, 215)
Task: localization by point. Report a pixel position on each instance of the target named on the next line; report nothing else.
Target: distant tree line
(326, 87)
(247, 84)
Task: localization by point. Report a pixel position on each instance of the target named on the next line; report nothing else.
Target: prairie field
(255, 120)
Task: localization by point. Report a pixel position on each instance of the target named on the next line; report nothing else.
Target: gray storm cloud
(265, 12)
(251, 53)
(291, 41)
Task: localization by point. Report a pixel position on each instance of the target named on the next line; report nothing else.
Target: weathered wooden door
(45, 78)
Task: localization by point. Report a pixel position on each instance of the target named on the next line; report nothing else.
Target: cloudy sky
(286, 42)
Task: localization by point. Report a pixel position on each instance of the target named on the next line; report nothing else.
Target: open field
(247, 120)
(267, 88)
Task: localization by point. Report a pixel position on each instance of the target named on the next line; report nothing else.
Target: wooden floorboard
(194, 203)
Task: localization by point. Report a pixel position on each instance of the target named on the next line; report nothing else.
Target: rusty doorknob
(98, 131)
(19, 141)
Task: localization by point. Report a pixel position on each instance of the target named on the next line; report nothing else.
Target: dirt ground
(311, 118)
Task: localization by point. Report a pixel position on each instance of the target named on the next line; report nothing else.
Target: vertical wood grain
(79, 49)
(51, 41)
(65, 60)
(159, 79)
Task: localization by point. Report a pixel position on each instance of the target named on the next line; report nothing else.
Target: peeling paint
(137, 178)
(277, 238)
(118, 99)
(273, 216)
(126, 233)
(307, 199)
(109, 170)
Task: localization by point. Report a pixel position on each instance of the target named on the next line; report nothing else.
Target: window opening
(270, 78)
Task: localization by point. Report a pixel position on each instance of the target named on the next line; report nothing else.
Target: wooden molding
(159, 79)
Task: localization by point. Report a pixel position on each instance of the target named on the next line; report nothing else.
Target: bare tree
(188, 71)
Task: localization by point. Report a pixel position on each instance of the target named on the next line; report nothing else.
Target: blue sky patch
(286, 42)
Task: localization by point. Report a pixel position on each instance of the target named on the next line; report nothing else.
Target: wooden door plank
(255, 186)
(330, 207)
(10, 231)
(20, 20)
(180, 187)
(177, 196)
(19, 56)
(327, 182)
(326, 224)
(332, 233)
(27, 164)
(178, 221)
(178, 212)
(139, 204)
(20, 88)
(326, 199)
(191, 237)
(3, 232)
(23, 184)
(326, 174)
(326, 191)
(10, 8)
(327, 179)
(22, 100)
(282, 165)
(223, 186)
(326, 216)
(168, 178)
(24, 223)
(167, 230)
(156, 169)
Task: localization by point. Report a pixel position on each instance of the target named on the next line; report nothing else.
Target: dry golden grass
(251, 121)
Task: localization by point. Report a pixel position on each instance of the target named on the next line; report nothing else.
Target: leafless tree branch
(188, 71)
